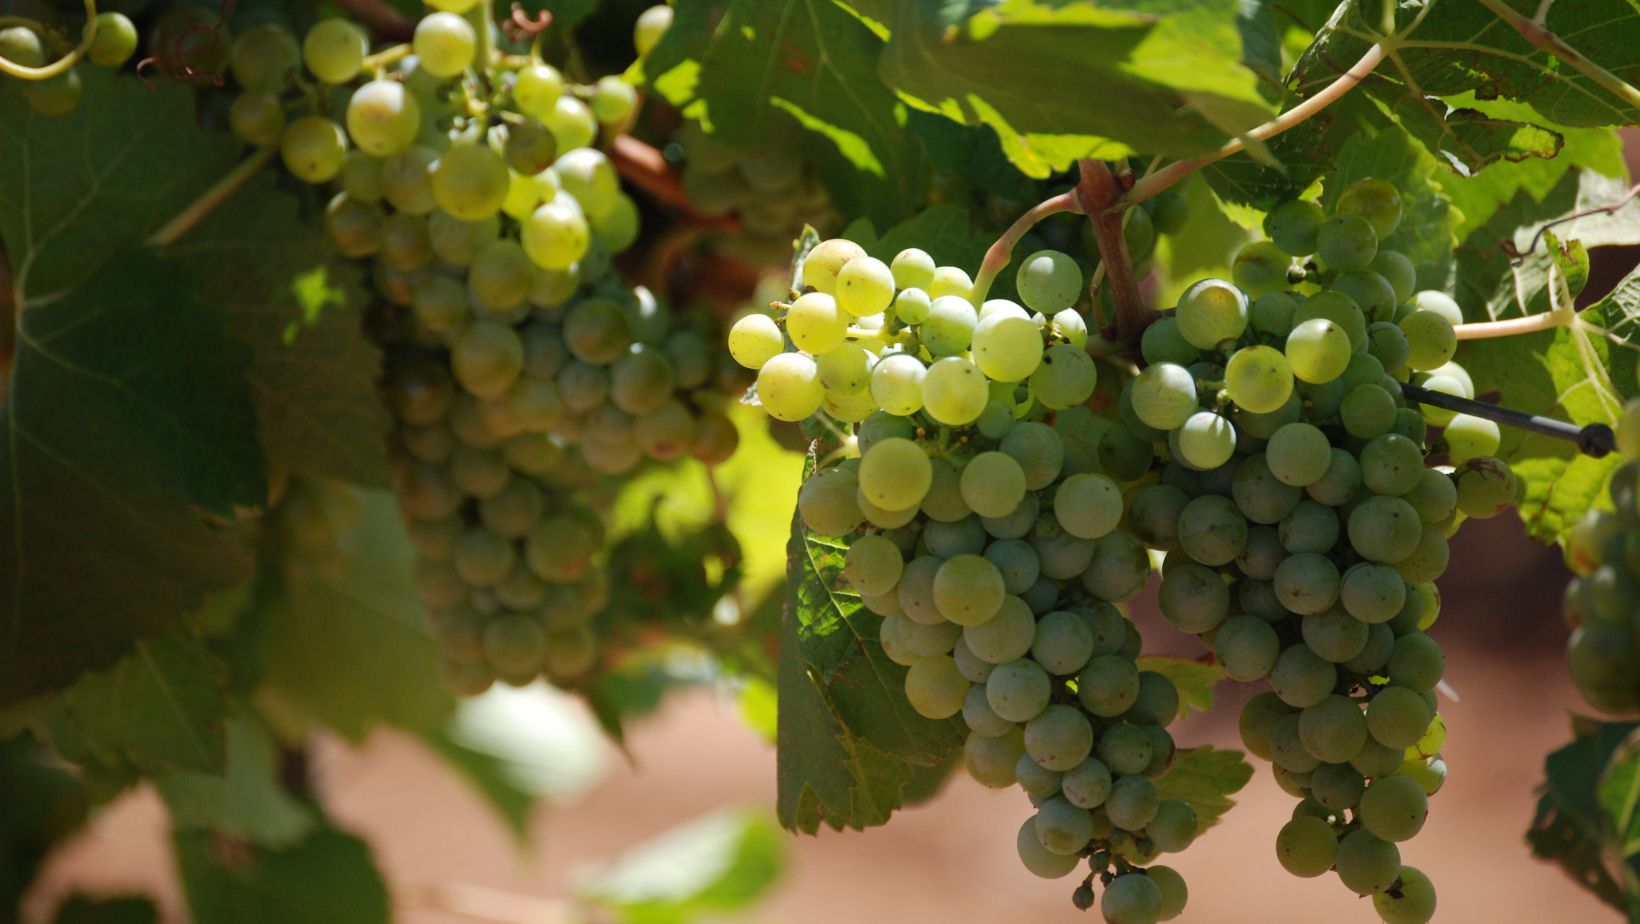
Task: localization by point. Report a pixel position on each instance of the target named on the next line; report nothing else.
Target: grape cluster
(771, 191)
(520, 369)
(1604, 550)
(1269, 450)
(978, 527)
(113, 42)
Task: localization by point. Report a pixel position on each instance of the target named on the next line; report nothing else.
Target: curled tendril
(61, 65)
(1516, 255)
(185, 71)
(521, 26)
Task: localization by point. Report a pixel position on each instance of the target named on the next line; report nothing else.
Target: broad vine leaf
(160, 708)
(329, 877)
(848, 741)
(1569, 827)
(1619, 797)
(971, 73)
(754, 69)
(1206, 777)
(247, 800)
(296, 304)
(706, 868)
(80, 909)
(348, 644)
(46, 802)
(1194, 679)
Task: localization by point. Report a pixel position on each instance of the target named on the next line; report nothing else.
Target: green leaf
(45, 803)
(971, 73)
(1195, 679)
(1568, 828)
(161, 708)
(348, 645)
(716, 865)
(80, 909)
(327, 878)
(247, 799)
(1206, 777)
(488, 774)
(848, 741)
(1619, 798)
(296, 304)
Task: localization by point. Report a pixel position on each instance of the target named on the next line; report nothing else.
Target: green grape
(613, 100)
(846, 370)
(1086, 506)
(1318, 350)
(1367, 411)
(826, 260)
(1388, 345)
(1087, 785)
(1438, 302)
(864, 286)
(935, 688)
(954, 391)
(1335, 635)
(1397, 717)
(1298, 454)
(1133, 801)
(21, 45)
(1470, 437)
(264, 57)
(1210, 312)
(1346, 242)
(1301, 678)
(1164, 396)
(1174, 826)
(912, 306)
(873, 565)
(1272, 313)
(949, 327)
(897, 383)
(587, 175)
(651, 25)
(815, 324)
(1040, 861)
(896, 474)
(1174, 892)
(406, 180)
(458, 242)
(641, 382)
(556, 235)
(1123, 455)
(1016, 560)
(826, 502)
(1063, 643)
(1294, 226)
(949, 280)
(404, 242)
(1258, 379)
(1193, 598)
(1337, 308)
(470, 181)
(992, 484)
(1370, 292)
(444, 43)
(1162, 343)
(1131, 898)
(1431, 341)
(1417, 662)
(1205, 440)
(487, 357)
(1486, 487)
(1018, 690)
(1139, 234)
(514, 645)
(1007, 348)
(788, 385)
(1311, 527)
(1259, 495)
(1367, 864)
(334, 50)
(1374, 200)
(1059, 739)
(1333, 730)
(912, 269)
(1385, 529)
(115, 42)
(1307, 583)
(313, 148)
(1065, 379)
(1038, 449)
(1211, 530)
(257, 118)
(1391, 464)
(1306, 847)
(1372, 593)
(1412, 901)
(355, 229)
(1260, 267)
(1257, 721)
(1247, 648)
(1288, 753)
(1003, 638)
(482, 558)
(991, 760)
(1048, 281)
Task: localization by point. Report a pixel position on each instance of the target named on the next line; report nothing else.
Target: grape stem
(1098, 194)
(87, 36)
(1002, 251)
(374, 63)
(1539, 36)
(1531, 324)
(1153, 184)
(384, 22)
(220, 191)
(482, 17)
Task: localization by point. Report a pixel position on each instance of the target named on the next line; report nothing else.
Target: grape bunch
(521, 372)
(771, 191)
(1269, 450)
(1604, 551)
(112, 42)
(978, 527)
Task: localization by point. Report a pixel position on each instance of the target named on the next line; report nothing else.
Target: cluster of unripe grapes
(1604, 551)
(113, 42)
(772, 192)
(1268, 448)
(521, 370)
(978, 528)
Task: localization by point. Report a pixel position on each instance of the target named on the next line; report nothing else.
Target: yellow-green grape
(913, 269)
(587, 174)
(1375, 200)
(955, 391)
(452, 6)
(823, 264)
(500, 275)
(572, 123)
(950, 280)
(652, 24)
(895, 473)
(536, 90)
(406, 180)
(1007, 347)
(865, 286)
(56, 96)
(444, 43)
(1210, 312)
(1431, 340)
(619, 226)
(815, 324)
(1318, 351)
(116, 40)
(470, 181)
(257, 118)
(354, 227)
(487, 358)
(383, 118)
(1470, 438)
(22, 45)
(1259, 379)
(334, 50)
(524, 195)
(313, 148)
(264, 57)
(754, 340)
(556, 236)
(613, 100)
(1438, 302)
(789, 387)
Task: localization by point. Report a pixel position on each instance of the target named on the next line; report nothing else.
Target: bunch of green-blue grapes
(979, 528)
(1268, 448)
(1600, 604)
(113, 41)
(521, 371)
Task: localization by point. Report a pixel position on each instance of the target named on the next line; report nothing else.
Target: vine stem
(386, 56)
(385, 22)
(1153, 184)
(1539, 36)
(998, 255)
(87, 36)
(1099, 194)
(195, 212)
(482, 17)
(1531, 324)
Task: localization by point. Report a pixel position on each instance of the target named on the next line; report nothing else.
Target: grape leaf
(1194, 679)
(160, 708)
(327, 878)
(970, 73)
(488, 774)
(295, 303)
(246, 800)
(1206, 777)
(348, 644)
(848, 741)
(80, 909)
(709, 867)
(1567, 828)
(1619, 797)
